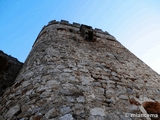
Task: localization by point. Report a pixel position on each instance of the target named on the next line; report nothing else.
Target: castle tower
(74, 72)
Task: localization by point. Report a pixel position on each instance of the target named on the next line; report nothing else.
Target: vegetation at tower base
(75, 72)
(9, 69)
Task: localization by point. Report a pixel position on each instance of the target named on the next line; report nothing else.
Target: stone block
(65, 110)
(52, 22)
(123, 97)
(76, 24)
(106, 33)
(1, 118)
(99, 30)
(64, 22)
(97, 111)
(12, 111)
(50, 113)
(80, 99)
(66, 117)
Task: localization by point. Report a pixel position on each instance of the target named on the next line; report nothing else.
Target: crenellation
(97, 29)
(64, 22)
(52, 22)
(106, 33)
(77, 25)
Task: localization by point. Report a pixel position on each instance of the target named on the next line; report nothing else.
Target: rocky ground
(9, 69)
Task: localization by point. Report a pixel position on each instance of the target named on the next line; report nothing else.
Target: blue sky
(134, 23)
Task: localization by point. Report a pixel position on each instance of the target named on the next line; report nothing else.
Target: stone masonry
(75, 72)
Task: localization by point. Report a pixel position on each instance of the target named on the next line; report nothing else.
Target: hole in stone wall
(19, 112)
(90, 35)
(43, 50)
(145, 81)
(152, 107)
(61, 29)
(71, 30)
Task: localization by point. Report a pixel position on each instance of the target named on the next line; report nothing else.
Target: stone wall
(68, 78)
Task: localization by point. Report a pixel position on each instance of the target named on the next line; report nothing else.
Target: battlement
(74, 24)
(85, 31)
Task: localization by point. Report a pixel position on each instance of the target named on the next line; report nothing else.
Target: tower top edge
(74, 24)
(98, 32)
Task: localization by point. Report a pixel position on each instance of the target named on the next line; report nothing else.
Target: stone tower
(74, 72)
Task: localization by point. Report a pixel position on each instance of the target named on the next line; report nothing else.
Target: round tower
(74, 72)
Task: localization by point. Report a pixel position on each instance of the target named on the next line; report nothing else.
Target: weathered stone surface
(122, 117)
(25, 84)
(133, 108)
(97, 111)
(51, 113)
(112, 116)
(1, 118)
(96, 118)
(65, 110)
(66, 117)
(80, 99)
(12, 111)
(86, 80)
(37, 117)
(68, 78)
(124, 97)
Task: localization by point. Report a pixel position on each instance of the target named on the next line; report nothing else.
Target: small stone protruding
(99, 30)
(76, 24)
(106, 33)
(64, 22)
(52, 22)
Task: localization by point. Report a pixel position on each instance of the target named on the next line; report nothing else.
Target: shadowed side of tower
(74, 72)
